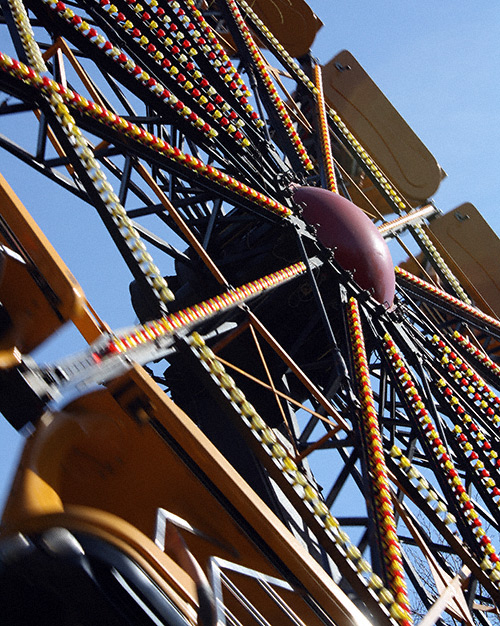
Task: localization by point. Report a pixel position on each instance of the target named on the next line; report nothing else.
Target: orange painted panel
(292, 22)
(470, 247)
(381, 130)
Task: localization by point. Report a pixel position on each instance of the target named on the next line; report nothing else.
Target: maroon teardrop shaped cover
(358, 245)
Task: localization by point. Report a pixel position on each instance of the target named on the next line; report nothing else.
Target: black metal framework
(309, 360)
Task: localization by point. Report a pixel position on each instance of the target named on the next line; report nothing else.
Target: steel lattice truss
(176, 106)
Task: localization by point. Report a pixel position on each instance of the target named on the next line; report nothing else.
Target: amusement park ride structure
(321, 429)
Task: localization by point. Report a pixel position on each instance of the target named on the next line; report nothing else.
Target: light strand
(260, 65)
(142, 77)
(215, 53)
(436, 446)
(392, 195)
(442, 295)
(124, 226)
(167, 325)
(308, 493)
(326, 145)
(26, 35)
(137, 133)
(437, 506)
(441, 264)
(477, 354)
(384, 509)
(188, 77)
(468, 431)
(218, 57)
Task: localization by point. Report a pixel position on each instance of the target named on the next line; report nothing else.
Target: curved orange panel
(376, 124)
(292, 22)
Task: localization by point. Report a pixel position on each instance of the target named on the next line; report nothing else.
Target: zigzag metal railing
(220, 580)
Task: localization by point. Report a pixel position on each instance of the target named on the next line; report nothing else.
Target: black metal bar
(341, 478)
(7, 109)
(14, 33)
(99, 205)
(339, 365)
(211, 223)
(124, 183)
(31, 160)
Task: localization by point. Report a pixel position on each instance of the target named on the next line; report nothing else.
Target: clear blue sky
(438, 63)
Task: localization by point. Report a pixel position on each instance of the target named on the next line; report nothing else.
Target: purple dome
(358, 245)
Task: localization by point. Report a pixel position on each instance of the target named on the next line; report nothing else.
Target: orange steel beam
(175, 215)
(268, 374)
(57, 50)
(59, 46)
(317, 444)
(324, 131)
(310, 386)
(259, 517)
(279, 393)
(24, 304)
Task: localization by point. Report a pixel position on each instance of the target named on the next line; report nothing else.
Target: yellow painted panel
(37, 290)
(101, 465)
